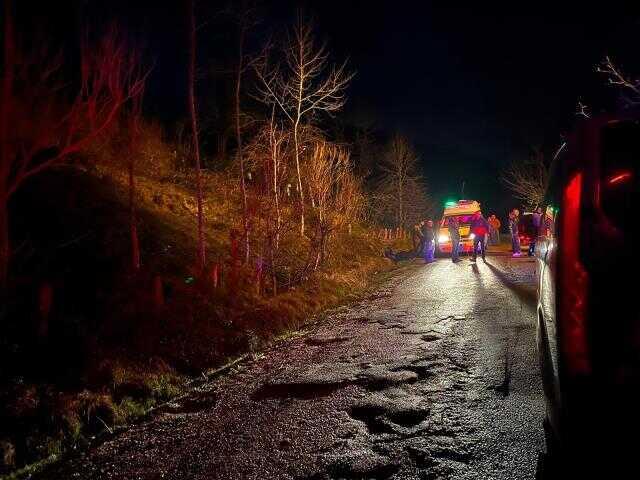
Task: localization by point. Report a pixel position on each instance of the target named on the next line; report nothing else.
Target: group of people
(482, 229)
(423, 237)
(424, 240)
(514, 222)
(485, 231)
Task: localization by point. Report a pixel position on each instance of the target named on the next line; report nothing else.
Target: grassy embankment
(109, 351)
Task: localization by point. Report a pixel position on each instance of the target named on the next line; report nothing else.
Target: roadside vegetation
(135, 256)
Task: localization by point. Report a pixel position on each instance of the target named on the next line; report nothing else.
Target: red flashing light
(619, 178)
(573, 301)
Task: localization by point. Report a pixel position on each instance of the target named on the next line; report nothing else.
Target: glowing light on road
(443, 238)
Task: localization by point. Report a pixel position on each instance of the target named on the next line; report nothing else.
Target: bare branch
(301, 84)
(616, 77)
(46, 134)
(401, 191)
(582, 110)
(527, 180)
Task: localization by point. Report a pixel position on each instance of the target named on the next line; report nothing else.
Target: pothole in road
(378, 379)
(408, 418)
(360, 465)
(429, 452)
(385, 413)
(300, 391)
(421, 370)
(319, 341)
(431, 337)
(394, 325)
(371, 416)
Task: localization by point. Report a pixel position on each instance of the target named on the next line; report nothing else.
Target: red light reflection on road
(621, 177)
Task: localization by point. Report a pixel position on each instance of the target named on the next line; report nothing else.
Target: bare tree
(417, 202)
(245, 19)
(39, 126)
(194, 132)
(304, 84)
(400, 179)
(630, 88)
(336, 192)
(267, 154)
(527, 180)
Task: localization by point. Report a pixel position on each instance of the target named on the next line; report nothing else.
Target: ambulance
(463, 210)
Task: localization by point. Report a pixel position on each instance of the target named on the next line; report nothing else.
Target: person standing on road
(536, 219)
(418, 239)
(429, 241)
(514, 220)
(479, 229)
(454, 235)
(494, 223)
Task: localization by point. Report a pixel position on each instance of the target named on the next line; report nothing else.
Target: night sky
(477, 86)
(473, 86)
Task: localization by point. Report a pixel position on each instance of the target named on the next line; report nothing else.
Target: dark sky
(473, 84)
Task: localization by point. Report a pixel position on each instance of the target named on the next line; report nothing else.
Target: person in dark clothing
(454, 234)
(479, 229)
(429, 241)
(399, 256)
(514, 221)
(418, 243)
(536, 219)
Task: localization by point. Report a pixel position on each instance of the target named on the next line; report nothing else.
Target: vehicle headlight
(443, 238)
(472, 236)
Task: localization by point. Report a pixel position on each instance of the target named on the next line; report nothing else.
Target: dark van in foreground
(588, 303)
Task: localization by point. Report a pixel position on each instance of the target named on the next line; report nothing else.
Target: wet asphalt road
(432, 377)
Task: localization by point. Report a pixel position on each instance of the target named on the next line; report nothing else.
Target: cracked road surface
(432, 377)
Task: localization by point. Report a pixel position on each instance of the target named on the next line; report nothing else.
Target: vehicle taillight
(575, 280)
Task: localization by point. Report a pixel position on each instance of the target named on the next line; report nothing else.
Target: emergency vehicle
(463, 210)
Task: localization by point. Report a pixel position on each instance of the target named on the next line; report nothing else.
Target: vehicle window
(619, 186)
(462, 219)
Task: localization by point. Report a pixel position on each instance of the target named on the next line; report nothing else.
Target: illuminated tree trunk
(276, 199)
(133, 228)
(194, 129)
(239, 151)
(300, 189)
(135, 116)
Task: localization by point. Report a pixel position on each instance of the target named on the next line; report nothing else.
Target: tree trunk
(239, 152)
(272, 266)
(194, 130)
(5, 150)
(300, 190)
(276, 199)
(5, 248)
(274, 158)
(133, 228)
